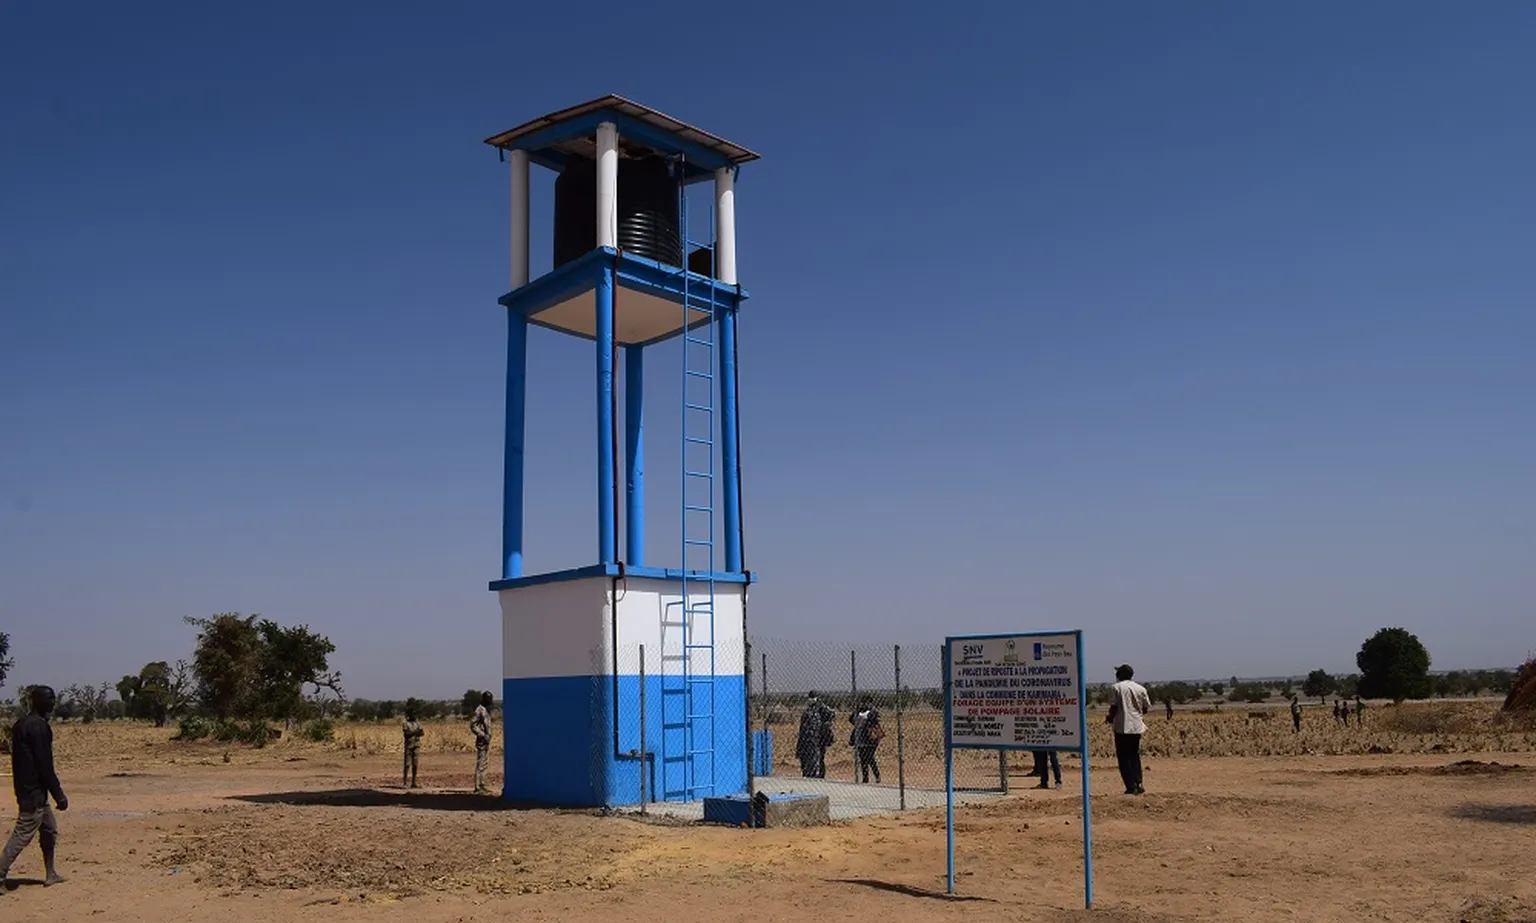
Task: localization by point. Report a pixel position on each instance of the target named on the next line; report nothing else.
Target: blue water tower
(581, 728)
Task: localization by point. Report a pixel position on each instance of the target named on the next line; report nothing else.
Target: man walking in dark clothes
(1296, 714)
(814, 738)
(34, 780)
(865, 739)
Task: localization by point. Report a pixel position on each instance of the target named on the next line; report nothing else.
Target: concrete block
(769, 810)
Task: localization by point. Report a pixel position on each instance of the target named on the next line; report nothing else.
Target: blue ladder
(694, 715)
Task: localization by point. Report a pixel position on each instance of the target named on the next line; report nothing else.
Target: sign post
(1023, 691)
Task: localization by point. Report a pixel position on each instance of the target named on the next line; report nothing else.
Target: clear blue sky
(1207, 328)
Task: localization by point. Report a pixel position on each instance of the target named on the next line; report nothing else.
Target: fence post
(1002, 770)
(746, 716)
(645, 761)
(901, 752)
(765, 693)
(853, 686)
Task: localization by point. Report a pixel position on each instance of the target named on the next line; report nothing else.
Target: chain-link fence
(861, 723)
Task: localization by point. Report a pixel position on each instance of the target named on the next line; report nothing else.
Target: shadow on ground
(1497, 813)
(11, 884)
(909, 890)
(375, 798)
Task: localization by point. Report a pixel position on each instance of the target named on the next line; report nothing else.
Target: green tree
(470, 702)
(1319, 684)
(5, 658)
(225, 661)
(1255, 693)
(287, 660)
(1393, 665)
(253, 668)
(1349, 686)
(1179, 692)
(157, 694)
(1219, 688)
(127, 692)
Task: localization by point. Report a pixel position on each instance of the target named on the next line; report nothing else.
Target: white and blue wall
(572, 700)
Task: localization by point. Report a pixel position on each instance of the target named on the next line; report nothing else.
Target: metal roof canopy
(551, 139)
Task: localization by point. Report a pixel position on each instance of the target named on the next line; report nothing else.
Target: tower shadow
(376, 798)
(1523, 814)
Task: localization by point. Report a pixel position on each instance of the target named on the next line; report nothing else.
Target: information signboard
(1016, 692)
(1022, 691)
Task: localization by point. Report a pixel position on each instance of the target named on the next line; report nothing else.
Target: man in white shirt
(1127, 711)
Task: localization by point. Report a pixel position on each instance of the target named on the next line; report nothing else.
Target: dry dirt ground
(175, 833)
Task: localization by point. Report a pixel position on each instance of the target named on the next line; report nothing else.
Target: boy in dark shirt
(35, 780)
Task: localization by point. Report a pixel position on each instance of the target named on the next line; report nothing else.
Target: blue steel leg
(607, 538)
(729, 436)
(949, 773)
(512, 462)
(1082, 717)
(634, 451)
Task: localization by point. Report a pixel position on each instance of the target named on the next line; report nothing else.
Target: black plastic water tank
(648, 210)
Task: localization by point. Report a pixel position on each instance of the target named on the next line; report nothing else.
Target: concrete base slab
(845, 800)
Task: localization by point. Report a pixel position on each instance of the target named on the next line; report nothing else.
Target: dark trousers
(813, 764)
(1128, 755)
(867, 764)
(1046, 761)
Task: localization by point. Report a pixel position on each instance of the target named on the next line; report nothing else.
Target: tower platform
(647, 298)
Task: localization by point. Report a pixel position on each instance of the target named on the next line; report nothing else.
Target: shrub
(321, 730)
(255, 732)
(194, 727)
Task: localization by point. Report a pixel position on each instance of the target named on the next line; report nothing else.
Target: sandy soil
(176, 833)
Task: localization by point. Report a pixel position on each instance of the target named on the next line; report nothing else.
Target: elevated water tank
(648, 210)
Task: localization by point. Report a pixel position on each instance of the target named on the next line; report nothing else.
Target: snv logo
(971, 653)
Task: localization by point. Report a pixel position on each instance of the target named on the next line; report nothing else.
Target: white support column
(519, 218)
(725, 225)
(607, 185)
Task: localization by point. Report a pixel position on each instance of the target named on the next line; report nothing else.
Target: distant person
(412, 732)
(815, 737)
(33, 777)
(1337, 717)
(1046, 761)
(1127, 714)
(865, 739)
(1344, 712)
(1359, 712)
(480, 726)
(1296, 714)
(1168, 707)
